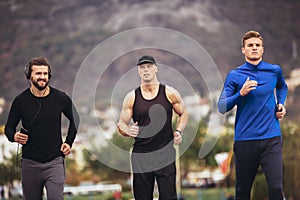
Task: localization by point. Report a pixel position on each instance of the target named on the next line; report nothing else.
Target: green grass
(188, 194)
(206, 194)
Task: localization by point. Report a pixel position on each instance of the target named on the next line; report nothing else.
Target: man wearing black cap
(151, 106)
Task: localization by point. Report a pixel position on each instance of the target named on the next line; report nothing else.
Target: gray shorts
(36, 176)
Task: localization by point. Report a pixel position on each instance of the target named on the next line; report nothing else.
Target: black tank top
(154, 119)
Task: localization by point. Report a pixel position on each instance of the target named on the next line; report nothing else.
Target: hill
(67, 31)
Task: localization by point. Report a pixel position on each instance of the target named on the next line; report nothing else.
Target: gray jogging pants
(36, 176)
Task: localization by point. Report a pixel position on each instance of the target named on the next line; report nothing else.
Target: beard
(38, 86)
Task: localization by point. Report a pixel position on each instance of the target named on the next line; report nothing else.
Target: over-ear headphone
(28, 70)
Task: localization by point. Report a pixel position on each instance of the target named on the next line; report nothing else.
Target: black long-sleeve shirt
(42, 117)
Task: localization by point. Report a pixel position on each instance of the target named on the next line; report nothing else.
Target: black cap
(146, 59)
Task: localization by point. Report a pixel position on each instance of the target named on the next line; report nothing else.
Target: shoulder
(236, 72)
(57, 91)
(22, 95)
(129, 99)
(231, 75)
(59, 94)
(238, 69)
(170, 90)
(270, 65)
(172, 94)
(274, 67)
(130, 95)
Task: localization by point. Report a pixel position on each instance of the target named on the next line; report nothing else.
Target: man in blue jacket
(257, 139)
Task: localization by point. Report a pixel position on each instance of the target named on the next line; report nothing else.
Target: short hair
(37, 61)
(251, 34)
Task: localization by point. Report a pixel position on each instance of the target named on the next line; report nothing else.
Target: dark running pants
(36, 175)
(248, 156)
(143, 184)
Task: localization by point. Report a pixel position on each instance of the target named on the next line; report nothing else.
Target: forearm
(227, 103)
(70, 138)
(72, 131)
(12, 122)
(182, 121)
(281, 89)
(281, 95)
(73, 116)
(10, 133)
(123, 129)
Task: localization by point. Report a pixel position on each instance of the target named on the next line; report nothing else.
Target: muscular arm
(126, 115)
(178, 106)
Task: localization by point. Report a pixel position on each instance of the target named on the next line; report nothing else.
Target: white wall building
(7, 148)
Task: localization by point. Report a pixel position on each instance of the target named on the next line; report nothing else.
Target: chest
(266, 80)
(149, 94)
(151, 108)
(41, 110)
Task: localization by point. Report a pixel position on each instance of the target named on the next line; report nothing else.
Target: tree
(73, 175)
(98, 168)
(10, 170)
(291, 157)
(190, 158)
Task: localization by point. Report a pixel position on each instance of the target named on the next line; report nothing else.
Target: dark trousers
(148, 167)
(36, 175)
(143, 184)
(248, 156)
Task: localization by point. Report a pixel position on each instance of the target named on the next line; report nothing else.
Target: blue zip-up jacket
(256, 112)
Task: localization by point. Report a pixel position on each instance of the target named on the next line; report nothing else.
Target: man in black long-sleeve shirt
(40, 109)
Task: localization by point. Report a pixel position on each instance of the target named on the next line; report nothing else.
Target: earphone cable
(30, 124)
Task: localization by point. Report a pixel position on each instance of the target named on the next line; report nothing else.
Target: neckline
(45, 94)
(253, 65)
(155, 96)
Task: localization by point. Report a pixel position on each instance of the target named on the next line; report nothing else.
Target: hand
(65, 149)
(177, 137)
(20, 138)
(248, 86)
(280, 112)
(134, 130)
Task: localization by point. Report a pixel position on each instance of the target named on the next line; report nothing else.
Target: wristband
(179, 131)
